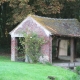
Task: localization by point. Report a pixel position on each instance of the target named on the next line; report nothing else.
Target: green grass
(24, 71)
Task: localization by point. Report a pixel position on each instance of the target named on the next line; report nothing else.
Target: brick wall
(46, 49)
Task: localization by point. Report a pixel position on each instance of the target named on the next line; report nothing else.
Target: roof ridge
(51, 18)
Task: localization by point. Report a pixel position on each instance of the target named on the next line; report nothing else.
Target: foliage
(77, 9)
(5, 17)
(78, 77)
(22, 71)
(78, 70)
(47, 6)
(32, 45)
(51, 8)
(21, 8)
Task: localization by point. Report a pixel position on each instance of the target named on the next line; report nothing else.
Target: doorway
(54, 48)
(60, 50)
(20, 50)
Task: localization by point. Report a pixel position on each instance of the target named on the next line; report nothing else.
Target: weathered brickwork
(13, 48)
(28, 26)
(50, 49)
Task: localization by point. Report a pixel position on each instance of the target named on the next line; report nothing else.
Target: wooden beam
(50, 49)
(72, 49)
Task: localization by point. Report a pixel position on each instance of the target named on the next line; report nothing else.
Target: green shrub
(32, 45)
(78, 70)
(77, 78)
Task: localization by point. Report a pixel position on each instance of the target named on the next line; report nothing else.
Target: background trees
(5, 16)
(50, 8)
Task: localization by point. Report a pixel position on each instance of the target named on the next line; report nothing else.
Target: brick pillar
(13, 48)
(50, 49)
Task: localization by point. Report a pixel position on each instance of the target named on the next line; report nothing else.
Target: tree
(5, 18)
(50, 8)
(23, 7)
(77, 9)
(20, 9)
(47, 6)
(68, 9)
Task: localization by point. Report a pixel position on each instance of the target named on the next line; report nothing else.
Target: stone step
(74, 64)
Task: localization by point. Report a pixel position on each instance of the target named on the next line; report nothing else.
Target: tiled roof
(61, 27)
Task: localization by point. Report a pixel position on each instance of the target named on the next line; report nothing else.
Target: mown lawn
(24, 71)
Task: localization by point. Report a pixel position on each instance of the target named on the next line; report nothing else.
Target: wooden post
(72, 49)
(57, 50)
(13, 49)
(75, 45)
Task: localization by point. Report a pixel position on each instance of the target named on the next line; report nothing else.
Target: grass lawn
(24, 71)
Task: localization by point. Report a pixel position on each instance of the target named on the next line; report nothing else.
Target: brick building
(63, 30)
